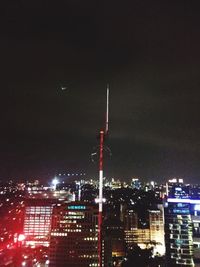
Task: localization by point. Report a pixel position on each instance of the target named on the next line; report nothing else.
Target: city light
(55, 182)
(21, 237)
(197, 207)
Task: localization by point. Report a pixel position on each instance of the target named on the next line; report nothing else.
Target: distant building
(152, 235)
(136, 183)
(74, 235)
(175, 187)
(116, 184)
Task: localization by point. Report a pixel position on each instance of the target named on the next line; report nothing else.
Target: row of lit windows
(38, 220)
(31, 226)
(44, 222)
(38, 224)
(91, 238)
(41, 224)
(48, 218)
(38, 216)
(74, 213)
(58, 234)
(74, 217)
(36, 229)
(88, 256)
(72, 230)
(38, 212)
(38, 208)
(70, 221)
(42, 235)
(36, 233)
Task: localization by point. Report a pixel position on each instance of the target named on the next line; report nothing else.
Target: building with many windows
(178, 233)
(37, 222)
(182, 226)
(150, 235)
(74, 235)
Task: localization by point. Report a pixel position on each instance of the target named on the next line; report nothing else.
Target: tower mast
(103, 133)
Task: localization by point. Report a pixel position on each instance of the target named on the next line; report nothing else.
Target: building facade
(182, 232)
(152, 235)
(37, 222)
(178, 235)
(74, 235)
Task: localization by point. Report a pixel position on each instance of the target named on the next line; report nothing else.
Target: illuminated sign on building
(79, 207)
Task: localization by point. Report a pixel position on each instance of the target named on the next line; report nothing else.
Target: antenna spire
(107, 110)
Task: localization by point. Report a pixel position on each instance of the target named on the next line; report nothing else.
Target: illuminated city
(48, 225)
(100, 135)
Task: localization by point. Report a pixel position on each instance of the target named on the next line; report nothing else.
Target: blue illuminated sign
(181, 211)
(78, 207)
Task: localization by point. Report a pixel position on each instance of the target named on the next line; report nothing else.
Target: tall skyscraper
(178, 233)
(182, 226)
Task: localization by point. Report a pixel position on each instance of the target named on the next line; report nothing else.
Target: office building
(178, 233)
(182, 226)
(151, 234)
(37, 222)
(74, 235)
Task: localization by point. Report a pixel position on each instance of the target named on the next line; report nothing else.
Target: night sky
(149, 53)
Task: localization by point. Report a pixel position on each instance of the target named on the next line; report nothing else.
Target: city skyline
(57, 225)
(149, 55)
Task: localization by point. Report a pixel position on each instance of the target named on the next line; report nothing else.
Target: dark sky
(149, 53)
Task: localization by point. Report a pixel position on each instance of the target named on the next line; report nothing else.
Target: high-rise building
(179, 237)
(182, 225)
(176, 188)
(37, 222)
(74, 235)
(156, 229)
(152, 235)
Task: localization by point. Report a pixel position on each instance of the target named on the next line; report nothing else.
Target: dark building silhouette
(113, 241)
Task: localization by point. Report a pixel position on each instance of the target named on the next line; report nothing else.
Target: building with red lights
(37, 221)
